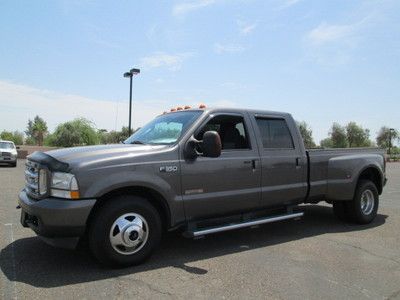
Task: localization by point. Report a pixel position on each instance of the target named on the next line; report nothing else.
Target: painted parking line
(10, 288)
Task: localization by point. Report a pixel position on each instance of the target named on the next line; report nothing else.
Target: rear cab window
(275, 133)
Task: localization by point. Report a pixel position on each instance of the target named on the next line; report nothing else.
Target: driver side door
(227, 184)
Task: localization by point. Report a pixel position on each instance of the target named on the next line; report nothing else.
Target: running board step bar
(205, 231)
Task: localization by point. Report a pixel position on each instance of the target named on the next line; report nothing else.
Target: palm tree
(39, 129)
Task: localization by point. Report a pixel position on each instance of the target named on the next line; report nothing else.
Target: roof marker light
(202, 106)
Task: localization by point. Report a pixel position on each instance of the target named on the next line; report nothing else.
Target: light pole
(391, 130)
(130, 75)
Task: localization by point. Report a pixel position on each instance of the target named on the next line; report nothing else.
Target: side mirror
(18, 147)
(211, 146)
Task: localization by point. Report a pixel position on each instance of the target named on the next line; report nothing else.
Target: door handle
(252, 162)
(298, 163)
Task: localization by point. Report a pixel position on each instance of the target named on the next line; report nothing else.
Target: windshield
(6, 145)
(165, 129)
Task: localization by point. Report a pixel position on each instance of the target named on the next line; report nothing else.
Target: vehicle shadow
(32, 262)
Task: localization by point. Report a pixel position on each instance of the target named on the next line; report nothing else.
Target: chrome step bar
(205, 231)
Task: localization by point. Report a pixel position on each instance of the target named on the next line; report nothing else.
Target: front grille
(6, 154)
(32, 179)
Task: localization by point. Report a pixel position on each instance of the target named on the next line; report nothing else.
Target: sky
(322, 61)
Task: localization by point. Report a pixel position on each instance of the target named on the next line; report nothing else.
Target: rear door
(227, 184)
(283, 162)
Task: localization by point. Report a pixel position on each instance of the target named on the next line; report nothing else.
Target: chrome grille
(6, 154)
(32, 179)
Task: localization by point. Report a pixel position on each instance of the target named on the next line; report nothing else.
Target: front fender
(167, 187)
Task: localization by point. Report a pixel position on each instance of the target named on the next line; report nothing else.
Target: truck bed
(332, 173)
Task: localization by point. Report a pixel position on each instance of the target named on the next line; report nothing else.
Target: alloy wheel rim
(129, 233)
(367, 202)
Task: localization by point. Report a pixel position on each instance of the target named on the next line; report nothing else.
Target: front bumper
(55, 219)
(8, 159)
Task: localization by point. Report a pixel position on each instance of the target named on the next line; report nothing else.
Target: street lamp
(391, 130)
(129, 75)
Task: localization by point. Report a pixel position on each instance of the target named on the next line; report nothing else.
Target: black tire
(340, 210)
(14, 164)
(103, 220)
(354, 209)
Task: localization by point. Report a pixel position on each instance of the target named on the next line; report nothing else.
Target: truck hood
(12, 151)
(103, 154)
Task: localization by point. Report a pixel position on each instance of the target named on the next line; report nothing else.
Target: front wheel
(124, 231)
(364, 207)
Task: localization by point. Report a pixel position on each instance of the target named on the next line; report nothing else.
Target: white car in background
(8, 153)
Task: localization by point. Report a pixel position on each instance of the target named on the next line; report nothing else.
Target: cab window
(275, 133)
(230, 128)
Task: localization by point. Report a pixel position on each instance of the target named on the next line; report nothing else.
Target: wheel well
(373, 175)
(155, 198)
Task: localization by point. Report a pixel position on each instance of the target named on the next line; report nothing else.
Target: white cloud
(189, 6)
(228, 48)
(287, 3)
(334, 44)
(162, 59)
(246, 28)
(325, 33)
(18, 103)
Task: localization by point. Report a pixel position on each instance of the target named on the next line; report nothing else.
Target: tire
(117, 221)
(14, 164)
(340, 210)
(364, 206)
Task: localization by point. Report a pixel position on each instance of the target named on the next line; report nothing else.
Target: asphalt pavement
(317, 257)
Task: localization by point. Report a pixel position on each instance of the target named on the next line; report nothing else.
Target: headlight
(42, 182)
(64, 185)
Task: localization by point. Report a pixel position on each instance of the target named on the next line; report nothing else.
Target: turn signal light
(74, 194)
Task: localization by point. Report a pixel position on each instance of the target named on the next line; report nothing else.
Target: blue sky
(322, 61)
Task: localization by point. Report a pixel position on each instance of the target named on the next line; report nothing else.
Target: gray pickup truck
(197, 170)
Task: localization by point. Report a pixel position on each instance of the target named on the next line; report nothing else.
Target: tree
(36, 131)
(357, 136)
(16, 137)
(384, 136)
(114, 137)
(338, 136)
(6, 135)
(78, 132)
(326, 143)
(306, 133)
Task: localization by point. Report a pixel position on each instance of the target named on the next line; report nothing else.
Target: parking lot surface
(317, 257)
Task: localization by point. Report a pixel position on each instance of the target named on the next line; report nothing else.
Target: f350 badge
(168, 169)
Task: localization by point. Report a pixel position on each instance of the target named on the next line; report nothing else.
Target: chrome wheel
(129, 233)
(367, 202)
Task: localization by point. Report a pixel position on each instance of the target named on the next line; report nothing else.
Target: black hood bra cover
(49, 161)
